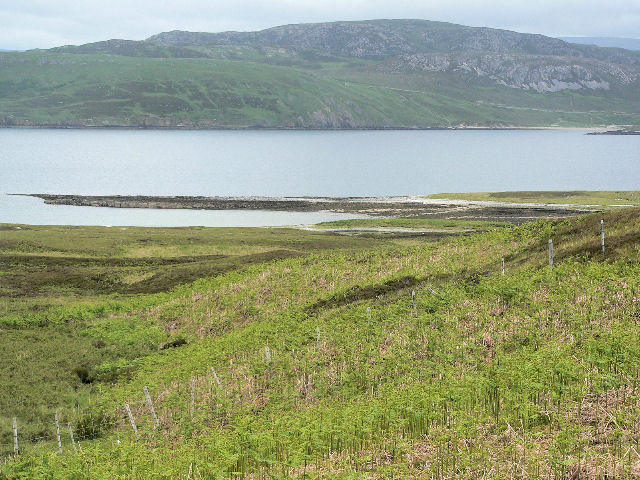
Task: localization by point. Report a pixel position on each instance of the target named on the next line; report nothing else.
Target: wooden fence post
(193, 395)
(215, 376)
(502, 265)
(16, 448)
(317, 337)
(131, 420)
(551, 253)
(267, 354)
(156, 423)
(602, 234)
(58, 433)
(73, 441)
(413, 300)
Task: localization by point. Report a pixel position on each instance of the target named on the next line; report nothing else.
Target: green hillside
(328, 366)
(76, 89)
(380, 74)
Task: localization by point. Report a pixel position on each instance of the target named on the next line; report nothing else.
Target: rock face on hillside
(527, 72)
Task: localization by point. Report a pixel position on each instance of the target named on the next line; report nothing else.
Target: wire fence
(152, 413)
(203, 397)
(147, 415)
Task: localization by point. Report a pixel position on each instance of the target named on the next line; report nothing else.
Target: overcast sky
(47, 23)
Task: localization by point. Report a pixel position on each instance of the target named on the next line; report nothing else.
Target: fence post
(602, 234)
(413, 300)
(215, 376)
(73, 441)
(156, 423)
(131, 420)
(502, 265)
(58, 433)
(267, 354)
(193, 396)
(317, 337)
(16, 449)
(551, 253)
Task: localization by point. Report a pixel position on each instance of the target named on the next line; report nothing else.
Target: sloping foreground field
(325, 365)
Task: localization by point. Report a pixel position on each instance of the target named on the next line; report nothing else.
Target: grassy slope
(452, 226)
(601, 198)
(533, 373)
(487, 92)
(241, 89)
(56, 283)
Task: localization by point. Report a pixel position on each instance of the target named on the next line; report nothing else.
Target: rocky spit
(407, 207)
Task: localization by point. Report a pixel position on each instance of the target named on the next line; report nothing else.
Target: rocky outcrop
(527, 72)
(335, 115)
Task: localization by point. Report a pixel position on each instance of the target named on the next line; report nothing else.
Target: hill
(338, 357)
(370, 74)
(380, 39)
(608, 42)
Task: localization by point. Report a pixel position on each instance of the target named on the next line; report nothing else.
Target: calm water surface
(292, 163)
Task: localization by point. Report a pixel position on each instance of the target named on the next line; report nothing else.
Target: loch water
(292, 163)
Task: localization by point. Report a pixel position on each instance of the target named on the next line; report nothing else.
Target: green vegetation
(426, 224)
(327, 366)
(598, 198)
(71, 300)
(49, 266)
(46, 88)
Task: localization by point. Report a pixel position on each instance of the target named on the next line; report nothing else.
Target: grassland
(423, 224)
(58, 284)
(577, 197)
(328, 366)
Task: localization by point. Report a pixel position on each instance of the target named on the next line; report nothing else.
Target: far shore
(598, 129)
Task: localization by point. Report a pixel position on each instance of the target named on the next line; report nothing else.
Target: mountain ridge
(367, 74)
(433, 34)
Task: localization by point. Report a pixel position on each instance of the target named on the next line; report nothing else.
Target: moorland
(285, 353)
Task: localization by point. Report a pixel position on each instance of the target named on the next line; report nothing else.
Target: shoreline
(400, 206)
(595, 130)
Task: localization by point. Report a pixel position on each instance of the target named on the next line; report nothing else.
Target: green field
(577, 197)
(425, 224)
(327, 366)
